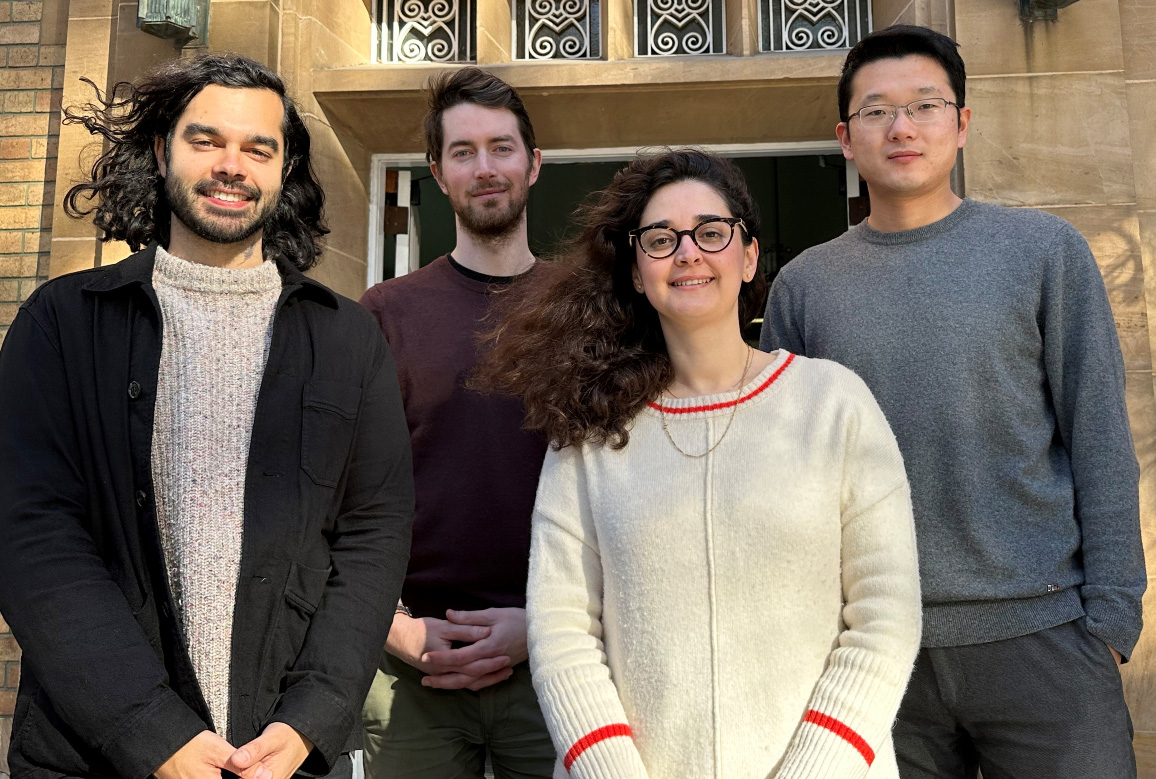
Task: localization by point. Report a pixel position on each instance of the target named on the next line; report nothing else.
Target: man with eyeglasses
(986, 335)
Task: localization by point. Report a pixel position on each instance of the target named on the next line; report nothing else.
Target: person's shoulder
(67, 288)
(65, 293)
(402, 288)
(1019, 221)
(819, 258)
(821, 369)
(822, 378)
(342, 320)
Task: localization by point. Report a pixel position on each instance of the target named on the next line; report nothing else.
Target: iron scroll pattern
(428, 31)
(668, 28)
(812, 25)
(557, 29)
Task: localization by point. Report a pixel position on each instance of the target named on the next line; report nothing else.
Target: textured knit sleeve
(564, 613)
(781, 328)
(857, 696)
(1085, 372)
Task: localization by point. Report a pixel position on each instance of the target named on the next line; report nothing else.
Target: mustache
(501, 186)
(239, 188)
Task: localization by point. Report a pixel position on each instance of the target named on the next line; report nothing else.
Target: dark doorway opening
(802, 202)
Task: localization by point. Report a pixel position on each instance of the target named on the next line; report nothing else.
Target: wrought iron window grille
(671, 28)
(427, 30)
(812, 25)
(557, 29)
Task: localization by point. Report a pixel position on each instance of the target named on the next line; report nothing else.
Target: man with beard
(454, 685)
(206, 493)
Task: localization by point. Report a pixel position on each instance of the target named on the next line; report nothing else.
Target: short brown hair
(471, 85)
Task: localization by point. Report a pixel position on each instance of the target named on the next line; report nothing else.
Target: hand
(276, 754)
(412, 640)
(202, 757)
(507, 640)
(1117, 657)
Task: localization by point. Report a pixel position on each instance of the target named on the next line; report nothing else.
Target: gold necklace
(734, 407)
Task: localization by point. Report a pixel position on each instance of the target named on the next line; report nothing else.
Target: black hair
(903, 40)
(125, 190)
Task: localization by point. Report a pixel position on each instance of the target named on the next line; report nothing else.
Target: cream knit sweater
(217, 325)
(750, 614)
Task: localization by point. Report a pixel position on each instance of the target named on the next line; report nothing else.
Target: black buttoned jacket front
(107, 688)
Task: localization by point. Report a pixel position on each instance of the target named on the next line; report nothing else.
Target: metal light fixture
(1042, 10)
(182, 21)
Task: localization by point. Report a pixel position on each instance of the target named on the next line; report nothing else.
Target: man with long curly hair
(454, 685)
(206, 493)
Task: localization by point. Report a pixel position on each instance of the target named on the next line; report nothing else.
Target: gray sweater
(217, 327)
(989, 343)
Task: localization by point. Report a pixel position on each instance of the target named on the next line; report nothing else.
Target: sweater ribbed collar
(757, 389)
(900, 237)
(172, 271)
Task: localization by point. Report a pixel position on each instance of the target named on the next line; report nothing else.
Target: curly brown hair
(125, 191)
(574, 340)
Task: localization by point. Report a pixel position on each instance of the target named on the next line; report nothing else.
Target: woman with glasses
(723, 579)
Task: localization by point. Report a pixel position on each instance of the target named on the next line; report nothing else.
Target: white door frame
(381, 163)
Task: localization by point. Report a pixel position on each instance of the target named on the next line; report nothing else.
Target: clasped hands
(495, 638)
(276, 754)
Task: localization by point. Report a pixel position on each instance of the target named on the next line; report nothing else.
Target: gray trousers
(1047, 705)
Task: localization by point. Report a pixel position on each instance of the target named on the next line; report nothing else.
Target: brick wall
(32, 36)
(31, 78)
(10, 678)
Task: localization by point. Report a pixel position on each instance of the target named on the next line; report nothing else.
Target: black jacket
(107, 688)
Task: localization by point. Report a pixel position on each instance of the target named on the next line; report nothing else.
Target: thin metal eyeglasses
(711, 236)
(922, 111)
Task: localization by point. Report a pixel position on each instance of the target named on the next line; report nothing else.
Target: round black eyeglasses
(710, 235)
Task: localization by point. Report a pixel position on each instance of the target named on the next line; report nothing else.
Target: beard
(219, 226)
(492, 221)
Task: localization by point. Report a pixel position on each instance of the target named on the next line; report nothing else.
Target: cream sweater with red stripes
(750, 614)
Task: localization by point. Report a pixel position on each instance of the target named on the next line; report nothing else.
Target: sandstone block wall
(31, 76)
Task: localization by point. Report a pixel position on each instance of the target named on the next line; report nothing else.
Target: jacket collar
(137, 271)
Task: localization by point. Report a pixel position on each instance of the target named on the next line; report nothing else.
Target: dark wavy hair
(575, 340)
(471, 85)
(126, 192)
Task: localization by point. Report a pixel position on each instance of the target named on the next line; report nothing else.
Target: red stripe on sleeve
(592, 738)
(843, 732)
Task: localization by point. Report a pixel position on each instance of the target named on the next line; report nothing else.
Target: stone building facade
(1063, 113)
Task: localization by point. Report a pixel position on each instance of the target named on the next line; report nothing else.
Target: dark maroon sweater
(475, 469)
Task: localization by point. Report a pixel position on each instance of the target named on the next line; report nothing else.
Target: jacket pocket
(304, 589)
(328, 417)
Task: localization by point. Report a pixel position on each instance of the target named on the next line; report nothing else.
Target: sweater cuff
(1113, 618)
(602, 752)
(825, 746)
(589, 726)
(849, 717)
